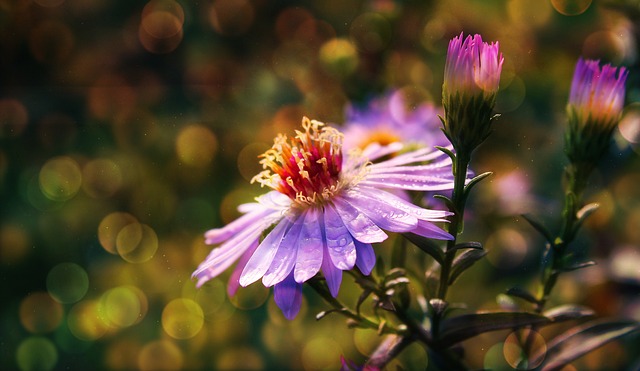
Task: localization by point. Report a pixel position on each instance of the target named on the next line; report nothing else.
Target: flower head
(323, 213)
(594, 109)
(472, 66)
(471, 78)
(390, 118)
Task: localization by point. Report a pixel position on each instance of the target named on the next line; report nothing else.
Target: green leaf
(474, 181)
(456, 329)
(447, 201)
(463, 261)
(427, 246)
(581, 340)
(584, 213)
(467, 245)
(568, 312)
(577, 266)
(539, 227)
(521, 293)
(447, 151)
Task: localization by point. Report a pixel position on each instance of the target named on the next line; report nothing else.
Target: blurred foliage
(128, 128)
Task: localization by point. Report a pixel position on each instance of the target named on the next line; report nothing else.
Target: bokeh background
(128, 128)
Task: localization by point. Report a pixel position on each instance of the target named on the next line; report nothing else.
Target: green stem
(458, 199)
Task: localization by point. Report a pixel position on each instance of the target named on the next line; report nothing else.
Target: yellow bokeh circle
(137, 243)
(196, 145)
(182, 318)
(86, 321)
(123, 306)
(36, 353)
(109, 228)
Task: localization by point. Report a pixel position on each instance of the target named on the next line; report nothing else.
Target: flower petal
(366, 257)
(288, 296)
(339, 241)
(426, 229)
(358, 224)
(310, 246)
(218, 235)
(285, 258)
(331, 273)
(234, 279)
(384, 215)
(222, 257)
(261, 259)
(395, 201)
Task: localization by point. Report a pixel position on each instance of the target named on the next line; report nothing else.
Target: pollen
(307, 168)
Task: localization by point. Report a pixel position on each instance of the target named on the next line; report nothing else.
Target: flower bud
(471, 77)
(594, 109)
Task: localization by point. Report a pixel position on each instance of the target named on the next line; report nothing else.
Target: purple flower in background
(325, 213)
(393, 118)
(594, 109)
(597, 93)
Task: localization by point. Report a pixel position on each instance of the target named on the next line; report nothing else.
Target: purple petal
(332, 274)
(358, 224)
(285, 258)
(339, 241)
(426, 229)
(384, 215)
(234, 279)
(218, 235)
(288, 296)
(395, 201)
(366, 257)
(263, 256)
(310, 246)
(222, 257)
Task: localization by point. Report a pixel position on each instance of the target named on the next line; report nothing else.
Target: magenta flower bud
(472, 67)
(471, 78)
(594, 109)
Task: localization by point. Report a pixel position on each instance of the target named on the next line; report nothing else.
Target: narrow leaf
(467, 245)
(474, 181)
(581, 340)
(521, 293)
(463, 261)
(427, 246)
(568, 312)
(448, 152)
(456, 329)
(539, 227)
(447, 201)
(577, 266)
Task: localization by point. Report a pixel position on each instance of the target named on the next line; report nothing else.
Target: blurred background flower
(127, 129)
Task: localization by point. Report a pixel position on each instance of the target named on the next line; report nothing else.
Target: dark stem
(458, 199)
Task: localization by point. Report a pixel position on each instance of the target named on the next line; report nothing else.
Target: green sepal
(447, 201)
(573, 267)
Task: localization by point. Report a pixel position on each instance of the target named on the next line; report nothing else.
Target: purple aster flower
(597, 93)
(324, 213)
(471, 78)
(594, 109)
(391, 118)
